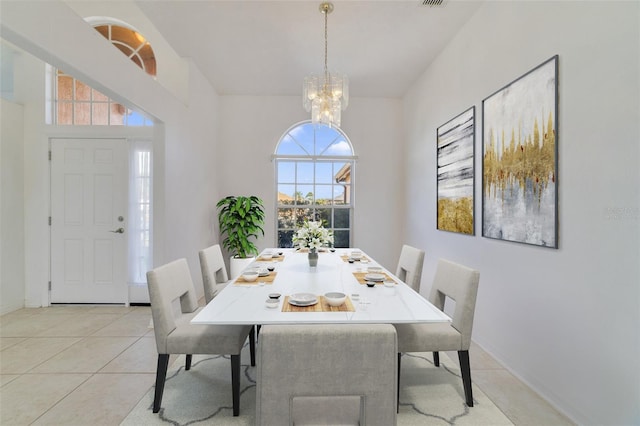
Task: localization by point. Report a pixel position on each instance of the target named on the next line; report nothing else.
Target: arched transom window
(78, 104)
(315, 181)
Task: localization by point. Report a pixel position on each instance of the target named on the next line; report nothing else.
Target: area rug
(429, 395)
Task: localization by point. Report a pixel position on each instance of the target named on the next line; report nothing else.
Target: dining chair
(215, 278)
(327, 374)
(460, 284)
(173, 305)
(214, 271)
(410, 266)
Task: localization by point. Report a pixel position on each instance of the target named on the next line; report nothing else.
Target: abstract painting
(456, 142)
(520, 159)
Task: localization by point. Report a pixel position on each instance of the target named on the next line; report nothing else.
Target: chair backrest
(461, 285)
(213, 269)
(171, 293)
(327, 374)
(410, 266)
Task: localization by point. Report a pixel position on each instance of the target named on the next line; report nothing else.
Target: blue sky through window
(305, 176)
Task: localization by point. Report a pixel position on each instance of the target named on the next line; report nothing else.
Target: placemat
(321, 306)
(346, 257)
(360, 277)
(272, 259)
(267, 280)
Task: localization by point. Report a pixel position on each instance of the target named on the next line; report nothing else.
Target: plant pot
(238, 264)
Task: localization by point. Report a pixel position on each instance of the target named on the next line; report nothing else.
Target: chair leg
(187, 364)
(436, 359)
(465, 368)
(252, 345)
(235, 383)
(398, 390)
(161, 374)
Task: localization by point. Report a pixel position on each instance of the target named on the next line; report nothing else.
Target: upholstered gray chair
(327, 374)
(460, 284)
(215, 278)
(410, 266)
(214, 271)
(173, 305)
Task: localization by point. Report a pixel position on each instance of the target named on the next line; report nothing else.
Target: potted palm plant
(241, 219)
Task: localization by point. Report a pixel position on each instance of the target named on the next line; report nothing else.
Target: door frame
(155, 134)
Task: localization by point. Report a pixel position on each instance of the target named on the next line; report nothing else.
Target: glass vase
(313, 258)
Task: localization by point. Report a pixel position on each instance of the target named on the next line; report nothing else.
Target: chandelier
(326, 95)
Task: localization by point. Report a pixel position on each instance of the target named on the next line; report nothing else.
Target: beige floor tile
(14, 315)
(31, 325)
(70, 309)
(80, 325)
(7, 378)
(120, 310)
(523, 406)
(20, 404)
(86, 356)
(7, 342)
(480, 360)
(142, 310)
(104, 399)
(26, 355)
(141, 357)
(128, 325)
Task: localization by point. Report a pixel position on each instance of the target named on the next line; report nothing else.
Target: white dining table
(245, 303)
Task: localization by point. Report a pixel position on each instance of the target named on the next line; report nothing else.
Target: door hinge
(49, 220)
(49, 155)
(49, 285)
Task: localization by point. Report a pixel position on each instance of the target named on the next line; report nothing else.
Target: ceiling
(267, 47)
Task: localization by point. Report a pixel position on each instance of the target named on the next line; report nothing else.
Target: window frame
(314, 159)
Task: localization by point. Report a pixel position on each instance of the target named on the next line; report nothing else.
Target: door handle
(118, 231)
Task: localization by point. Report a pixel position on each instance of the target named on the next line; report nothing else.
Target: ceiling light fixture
(326, 95)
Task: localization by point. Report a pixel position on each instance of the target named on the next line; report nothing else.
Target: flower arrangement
(312, 235)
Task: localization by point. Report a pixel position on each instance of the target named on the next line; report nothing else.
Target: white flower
(313, 236)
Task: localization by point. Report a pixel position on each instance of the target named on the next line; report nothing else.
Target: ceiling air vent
(432, 3)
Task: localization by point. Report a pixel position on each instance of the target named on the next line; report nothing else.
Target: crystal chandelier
(326, 95)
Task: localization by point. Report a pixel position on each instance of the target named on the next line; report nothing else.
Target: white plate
(302, 304)
(374, 277)
(303, 299)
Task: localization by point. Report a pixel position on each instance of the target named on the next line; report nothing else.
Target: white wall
(11, 207)
(250, 128)
(566, 321)
(185, 139)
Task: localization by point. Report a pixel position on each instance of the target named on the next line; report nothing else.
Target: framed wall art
(455, 173)
(520, 159)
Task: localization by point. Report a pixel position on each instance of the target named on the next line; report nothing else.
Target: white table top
(245, 304)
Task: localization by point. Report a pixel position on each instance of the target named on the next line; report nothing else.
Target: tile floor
(90, 365)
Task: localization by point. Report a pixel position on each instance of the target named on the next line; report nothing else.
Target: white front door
(89, 191)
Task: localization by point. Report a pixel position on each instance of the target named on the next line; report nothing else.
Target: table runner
(360, 277)
(267, 280)
(363, 259)
(306, 250)
(321, 306)
(271, 259)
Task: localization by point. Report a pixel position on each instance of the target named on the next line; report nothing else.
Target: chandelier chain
(326, 44)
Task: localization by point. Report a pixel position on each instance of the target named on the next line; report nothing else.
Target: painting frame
(520, 159)
(455, 173)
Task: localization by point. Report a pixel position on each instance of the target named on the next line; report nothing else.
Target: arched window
(129, 41)
(315, 181)
(78, 104)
